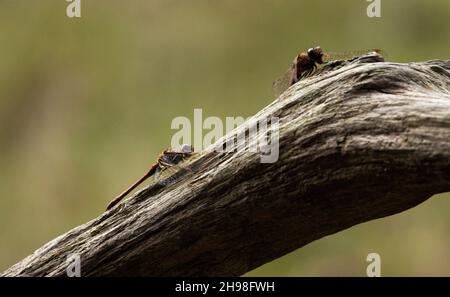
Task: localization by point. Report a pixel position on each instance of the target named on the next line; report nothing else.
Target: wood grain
(359, 140)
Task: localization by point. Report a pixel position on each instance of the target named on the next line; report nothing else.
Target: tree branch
(360, 140)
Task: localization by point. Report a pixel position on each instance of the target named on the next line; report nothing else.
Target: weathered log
(360, 140)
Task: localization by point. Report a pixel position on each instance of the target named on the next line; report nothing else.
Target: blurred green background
(86, 105)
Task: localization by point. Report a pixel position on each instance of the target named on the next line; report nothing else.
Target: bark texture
(359, 140)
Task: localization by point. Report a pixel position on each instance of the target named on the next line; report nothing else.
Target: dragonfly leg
(164, 164)
(172, 153)
(309, 71)
(305, 73)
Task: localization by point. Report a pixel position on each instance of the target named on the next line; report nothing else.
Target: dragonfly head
(316, 54)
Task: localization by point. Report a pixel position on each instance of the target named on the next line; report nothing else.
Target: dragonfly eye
(187, 149)
(316, 54)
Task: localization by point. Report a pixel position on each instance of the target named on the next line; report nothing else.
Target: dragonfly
(305, 64)
(168, 158)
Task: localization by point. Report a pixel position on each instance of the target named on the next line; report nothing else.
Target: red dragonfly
(166, 159)
(304, 64)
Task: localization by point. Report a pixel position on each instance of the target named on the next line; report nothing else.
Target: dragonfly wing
(282, 83)
(172, 173)
(165, 177)
(331, 56)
